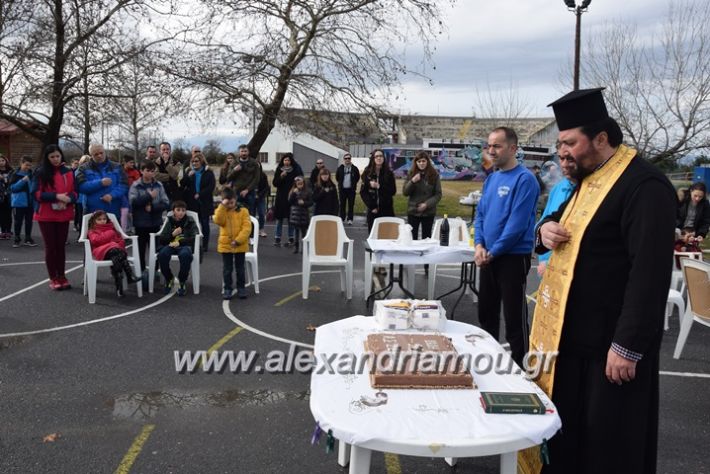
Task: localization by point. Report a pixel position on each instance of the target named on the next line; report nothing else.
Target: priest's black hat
(579, 108)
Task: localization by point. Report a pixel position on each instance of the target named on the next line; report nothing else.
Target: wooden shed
(14, 143)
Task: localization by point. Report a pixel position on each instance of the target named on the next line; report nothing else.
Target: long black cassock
(618, 294)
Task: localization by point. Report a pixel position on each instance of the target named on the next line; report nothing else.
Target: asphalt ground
(93, 388)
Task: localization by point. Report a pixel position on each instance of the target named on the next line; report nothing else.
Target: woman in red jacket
(107, 244)
(53, 189)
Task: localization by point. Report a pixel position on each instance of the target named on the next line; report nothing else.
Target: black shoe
(120, 293)
(16, 243)
(295, 249)
(277, 242)
(29, 243)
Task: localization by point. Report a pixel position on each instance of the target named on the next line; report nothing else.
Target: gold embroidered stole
(557, 280)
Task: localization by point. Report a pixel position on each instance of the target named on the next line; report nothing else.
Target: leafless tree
(506, 104)
(314, 54)
(658, 90)
(58, 51)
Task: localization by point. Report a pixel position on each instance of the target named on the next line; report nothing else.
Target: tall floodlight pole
(577, 10)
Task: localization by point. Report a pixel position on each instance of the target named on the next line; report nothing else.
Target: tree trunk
(57, 117)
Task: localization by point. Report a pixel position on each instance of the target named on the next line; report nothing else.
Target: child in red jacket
(107, 244)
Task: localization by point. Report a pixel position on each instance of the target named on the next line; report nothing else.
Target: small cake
(415, 361)
(392, 315)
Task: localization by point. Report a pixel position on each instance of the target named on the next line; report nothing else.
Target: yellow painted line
(225, 339)
(221, 342)
(295, 295)
(392, 464)
(134, 450)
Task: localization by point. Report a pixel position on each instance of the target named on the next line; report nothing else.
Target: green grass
(451, 191)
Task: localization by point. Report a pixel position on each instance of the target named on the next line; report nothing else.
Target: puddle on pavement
(8, 342)
(139, 406)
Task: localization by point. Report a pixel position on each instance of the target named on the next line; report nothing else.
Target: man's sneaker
(241, 293)
(262, 233)
(54, 284)
(290, 242)
(277, 242)
(16, 243)
(182, 291)
(350, 222)
(227, 295)
(29, 243)
(169, 285)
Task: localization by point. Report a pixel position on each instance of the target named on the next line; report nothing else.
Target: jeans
(261, 211)
(249, 201)
(279, 227)
(23, 214)
(184, 254)
(230, 262)
(347, 196)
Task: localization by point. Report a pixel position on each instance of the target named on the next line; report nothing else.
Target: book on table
(512, 403)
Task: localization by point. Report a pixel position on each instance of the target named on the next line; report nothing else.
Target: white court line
(34, 263)
(684, 374)
(235, 320)
(93, 321)
(19, 292)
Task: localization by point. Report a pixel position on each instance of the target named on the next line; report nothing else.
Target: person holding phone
(378, 188)
(423, 188)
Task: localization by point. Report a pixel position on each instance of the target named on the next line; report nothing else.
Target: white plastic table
(432, 423)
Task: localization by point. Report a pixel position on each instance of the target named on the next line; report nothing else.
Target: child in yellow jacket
(233, 243)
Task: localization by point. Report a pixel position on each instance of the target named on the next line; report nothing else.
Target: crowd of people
(605, 239)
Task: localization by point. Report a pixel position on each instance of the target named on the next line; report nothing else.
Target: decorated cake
(415, 361)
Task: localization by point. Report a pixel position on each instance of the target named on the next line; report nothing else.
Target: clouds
(527, 43)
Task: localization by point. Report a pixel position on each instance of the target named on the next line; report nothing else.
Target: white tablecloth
(418, 252)
(426, 417)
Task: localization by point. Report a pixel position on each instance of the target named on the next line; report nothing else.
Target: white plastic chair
(194, 267)
(458, 234)
(675, 298)
(252, 257)
(697, 277)
(382, 228)
(325, 245)
(677, 282)
(91, 266)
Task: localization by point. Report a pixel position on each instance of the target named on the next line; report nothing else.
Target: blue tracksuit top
(559, 194)
(505, 216)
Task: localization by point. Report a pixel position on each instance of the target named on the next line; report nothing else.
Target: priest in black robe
(606, 372)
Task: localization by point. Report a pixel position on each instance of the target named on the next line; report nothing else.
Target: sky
(525, 44)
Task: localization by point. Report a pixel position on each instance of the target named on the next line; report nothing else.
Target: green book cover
(504, 402)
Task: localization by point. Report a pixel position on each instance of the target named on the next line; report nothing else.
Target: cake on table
(400, 360)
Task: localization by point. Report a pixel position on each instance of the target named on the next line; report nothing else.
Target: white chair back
(254, 238)
(386, 228)
(458, 230)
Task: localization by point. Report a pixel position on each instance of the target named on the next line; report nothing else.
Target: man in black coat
(347, 176)
(612, 244)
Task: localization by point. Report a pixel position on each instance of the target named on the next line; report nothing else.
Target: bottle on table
(444, 232)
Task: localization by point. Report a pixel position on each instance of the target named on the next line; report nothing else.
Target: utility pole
(577, 10)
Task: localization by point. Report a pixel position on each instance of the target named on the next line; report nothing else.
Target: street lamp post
(577, 10)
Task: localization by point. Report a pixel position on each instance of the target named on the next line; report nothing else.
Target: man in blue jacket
(102, 182)
(505, 223)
